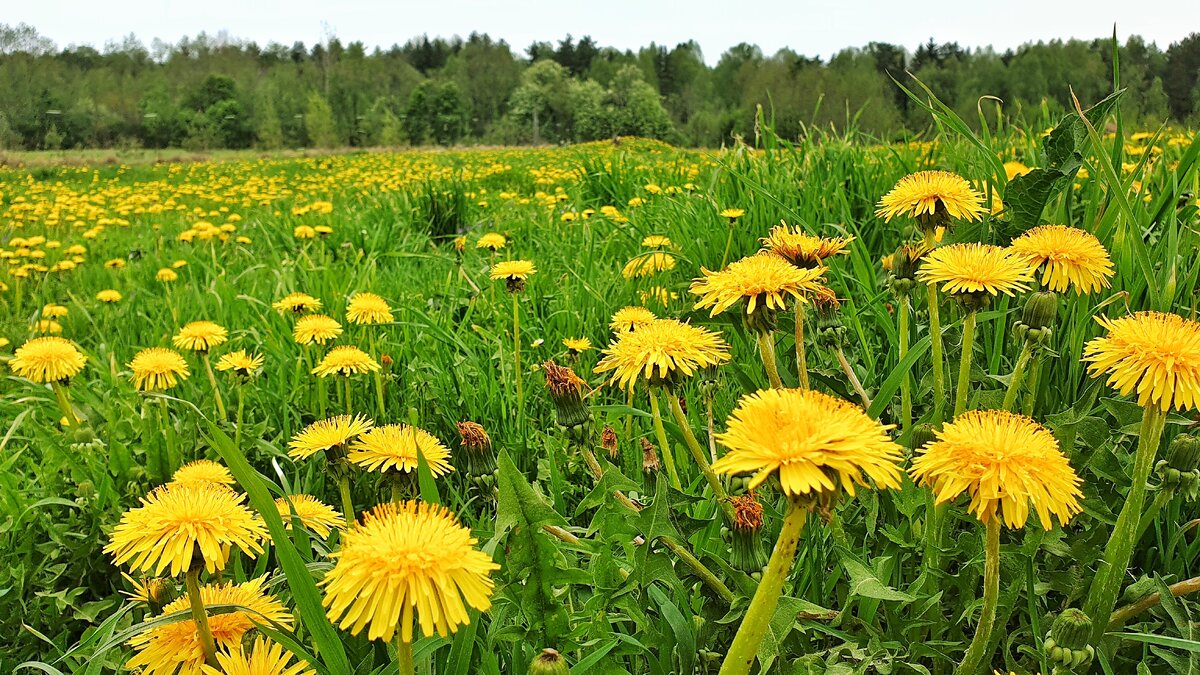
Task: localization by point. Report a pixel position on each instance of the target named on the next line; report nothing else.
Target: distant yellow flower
(460, 242)
(1006, 462)
(200, 336)
(732, 213)
(323, 230)
(816, 443)
(314, 514)
(179, 521)
(157, 369)
(48, 326)
(394, 447)
(802, 249)
(327, 434)
(658, 294)
(577, 345)
(406, 563)
(512, 270)
(656, 241)
(932, 193)
(1014, 169)
(53, 311)
(315, 328)
(648, 264)
(345, 360)
(1069, 257)
(115, 263)
(178, 264)
(47, 359)
(264, 658)
(368, 308)
(661, 351)
(166, 275)
(203, 471)
(761, 280)
(175, 649)
(109, 296)
(240, 363)
(297, 303)
(303, 232)
(976, 269)
(628, 318)
(1154, 353)
(492, 240)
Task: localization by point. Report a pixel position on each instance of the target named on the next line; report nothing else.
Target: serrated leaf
(864, 582)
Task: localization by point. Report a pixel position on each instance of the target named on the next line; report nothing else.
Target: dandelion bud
(549, 662)
(922, 435)
(1180, 471)
(745, 545)
(1184, 453)
(1041, 310)
(386, 361)
(649, 457)
(608, 441)
(830, 331)
(761, 320)
(566, 391)
(1067, 644)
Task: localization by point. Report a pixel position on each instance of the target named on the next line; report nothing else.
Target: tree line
(212, 92)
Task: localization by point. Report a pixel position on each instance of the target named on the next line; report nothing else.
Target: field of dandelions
(819, 407)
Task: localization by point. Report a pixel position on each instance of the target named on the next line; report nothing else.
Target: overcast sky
(810, 28)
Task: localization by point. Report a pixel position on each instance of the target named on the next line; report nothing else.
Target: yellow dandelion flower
(976, 269)
(177, 521)
(108, 295)
(1154, 353)
(1014, 169)
(1069, 257)
(314, 514)
(661, 351)
(629, 318)
(656, 241)
(816, 442)
(345, 360)
(297, 303)
(203, 471)
(406, 563)
(1006, 462)
(200, 336)
(48, 326)
(264, 658)
(492, 240)
(932, 193)
(326, 435)
(732, 213)
(802, 249)
(394, 447)
(166, 275)
(577, 345)
(368, 308)
(761, 280)
(658, 294)
(240, 363)
(47, 359)
(648, 264)
(115, 263)
(316, 328)
(158, 369)
(512, 270)
(53, 311)
(303, 232)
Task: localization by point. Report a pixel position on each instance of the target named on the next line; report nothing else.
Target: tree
(318, 122)
(1181, 76)
(637, 107)
(540, 98)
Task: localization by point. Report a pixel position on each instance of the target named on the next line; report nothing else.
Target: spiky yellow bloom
(178, 520)
(53, 311)
(47, 359)
(661, 351)
(932, 193)
(314, 514)
(203, 471)
(629, 318)
(656, 241)
(732, 213)
(158, 369)
(166, 275)
(264, 658)
(648, 264)
(108, 295)
(976, 269)
(200, 336)
(303, 232)
(406, 560)
(297, 303)
(316, 328)
(1154, 353)
(1014, 169)
(394, 447)
(512, 270)
(1006, 462)
(577, 345)
(48, 326)
(175, 649)
(803, 249)
(327, 434)
(1069, 257)
(345, 360)
(816, 443)
(240, 363)
(760, 280)
(368, 308)
(492, 240)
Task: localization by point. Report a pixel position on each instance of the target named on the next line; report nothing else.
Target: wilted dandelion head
(263, 658)
(1154, 353)
(815, 442)
(179, 521)
(315, 328)
(345, 360)
(802, 249)
(629, 318)
(204, 471)
(314, 514)
(297, 303)
(158, 369)
(1006, 462)
(405, 564)
(368, 308)
(976, 269)
(661, 351)
(327, 434)
(1069, 258)
(474, 436)
(200, 336)
(395, 447)
(936, 194)
(47, 359)
(763, 280)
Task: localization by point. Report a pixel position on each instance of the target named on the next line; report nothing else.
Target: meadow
(616, 407)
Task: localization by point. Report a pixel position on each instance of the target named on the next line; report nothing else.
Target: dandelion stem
(977, 653)
(199, 616)
(935, 351)
(1106, 585)
(706, 575)
(349, 400)
(661, 434)
(1035, 372)
(1018, 375)
(964, 363)
(854, 381)
(378, 375)
(766, 348)
(344, 490)
(64, 403)
(801, 356)
(168, 432)
(742, 652)
(404, 656)
(728, 243)
(212, 381)
(241, 408)
(517, 355)
(697, 453)
(906, 406)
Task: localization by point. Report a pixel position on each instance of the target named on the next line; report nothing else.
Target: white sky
(811, 28)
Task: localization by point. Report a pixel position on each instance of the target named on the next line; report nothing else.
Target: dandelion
(200, 337)
(303, 232)
(730, 214)
(661, 352)
(47, 327)
(166, 275)
(203, 471)
(648, 264)
(154, 592)
(656, 241)
(52, 311)
(1069, 258)
(368, 308)
(264, 658)
(240, 363)
(313, 514)
(53, 361)
(514, 273)
(492, 241)
(629, 318)
(158, 369)
(315, 329)
(332, 436)
(933, 198)
(802, 249)
(297, 303)
(394, 449)
(345, 360)
(577, 345)
(108, 296)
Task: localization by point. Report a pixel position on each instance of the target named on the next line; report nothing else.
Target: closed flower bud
(649, 457)
(763, 320)
(922, 435)
(1041, 311)
(549, 662)
(1184, 453)
(1067, 643)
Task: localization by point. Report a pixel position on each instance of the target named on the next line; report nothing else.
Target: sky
(810, 28)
